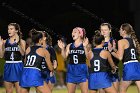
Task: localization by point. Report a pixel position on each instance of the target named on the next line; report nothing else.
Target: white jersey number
(133, 54)
(12, 56)
(31, 60)
(106, 48)
(96, 65)
(75, 59)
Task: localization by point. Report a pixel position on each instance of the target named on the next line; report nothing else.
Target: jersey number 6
(75, 59)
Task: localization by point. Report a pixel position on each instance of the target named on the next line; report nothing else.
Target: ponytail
(134, 37)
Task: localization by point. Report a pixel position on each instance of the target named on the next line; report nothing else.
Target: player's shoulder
(121, 41)
(105, 52)
(22, 40)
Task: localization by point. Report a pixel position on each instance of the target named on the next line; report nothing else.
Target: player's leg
(124, 86)
(24, 90)
(51, 85)
(43, 89)
(116, 85)
(84, 87)
(8, 86)
(17, 87)
(71, 87)
(101, 91)
(92, 91)
(138, 85)
(61, 78)
(110, 90)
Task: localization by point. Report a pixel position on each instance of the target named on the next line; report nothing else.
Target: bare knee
(71, 91)
(17, 87)
(101, 91)
(45, 91)
(9, 90)
(110, 90)
(24, 90)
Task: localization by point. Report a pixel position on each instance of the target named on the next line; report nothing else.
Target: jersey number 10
(31, 60)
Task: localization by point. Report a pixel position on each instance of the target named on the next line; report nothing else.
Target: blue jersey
(31, 75)
(13, 62)
(12, 52)
(52, 57)
(98, 64)
(45, 71)
(99, 76)
(77, 54)
(131, 68)
(115, 77)
(77, 70)
(130, 53)
(116, 61)
(33, 60)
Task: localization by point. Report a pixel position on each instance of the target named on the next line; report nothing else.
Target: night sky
(59, 17)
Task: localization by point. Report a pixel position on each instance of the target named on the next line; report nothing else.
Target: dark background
(59, 17)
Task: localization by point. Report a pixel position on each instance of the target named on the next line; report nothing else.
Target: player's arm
(119, 54)
(87, 48)
(47, 59)
(2, 47)
(67, 51)
(64, 51)
(53, 56)
(26, 52)
(110, 60)
(22, 46)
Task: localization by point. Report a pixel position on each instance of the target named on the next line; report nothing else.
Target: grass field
(131, 89)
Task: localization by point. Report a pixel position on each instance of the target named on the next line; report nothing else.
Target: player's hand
(85, 42)
(114, 44)
(114, 70)
(61, 44)
(1, 42)
(54, 64)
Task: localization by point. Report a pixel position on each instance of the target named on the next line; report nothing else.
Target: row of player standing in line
(27, 74)
(99, 76)
(77, 69)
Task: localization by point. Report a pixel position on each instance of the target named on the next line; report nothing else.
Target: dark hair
(130, 31)
(35, 35)
(17, 27)
(108, 25)
(48, 38)
(98, 38)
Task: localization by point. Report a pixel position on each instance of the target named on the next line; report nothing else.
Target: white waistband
(13, 61)
(131, 61)
(33, 68)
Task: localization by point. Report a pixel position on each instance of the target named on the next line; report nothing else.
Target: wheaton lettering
(12, 49)
(77, 51)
